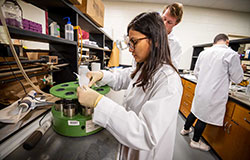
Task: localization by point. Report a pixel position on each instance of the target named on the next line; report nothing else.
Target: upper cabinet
(234, 44)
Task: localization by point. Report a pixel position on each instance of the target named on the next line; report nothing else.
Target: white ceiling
(234, 5)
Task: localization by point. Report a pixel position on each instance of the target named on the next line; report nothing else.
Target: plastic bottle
(54, 29)
(69, 30)
(83, 80)
(27, 101)
(12, 13)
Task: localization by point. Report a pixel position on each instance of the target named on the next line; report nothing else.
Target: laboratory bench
(53, 146)
(231, 141)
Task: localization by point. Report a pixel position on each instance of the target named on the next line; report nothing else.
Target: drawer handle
(228, 130)
(183, 111)
(247, 120)
(225, 126)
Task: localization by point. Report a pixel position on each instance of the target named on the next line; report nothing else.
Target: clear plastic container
(83, 80)
(54, 29)
(69, 30)
(12, 13)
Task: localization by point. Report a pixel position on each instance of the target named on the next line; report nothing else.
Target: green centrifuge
(69, 117)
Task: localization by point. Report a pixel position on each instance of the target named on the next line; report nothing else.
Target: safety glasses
(132, 42)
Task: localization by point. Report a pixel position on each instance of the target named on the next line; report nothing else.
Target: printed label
(90, 126)
(73, 123)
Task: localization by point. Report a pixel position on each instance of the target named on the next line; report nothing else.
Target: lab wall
(199, 25)
(37, 15)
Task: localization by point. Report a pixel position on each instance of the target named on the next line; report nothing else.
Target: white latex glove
(94, 76)
(88, 97)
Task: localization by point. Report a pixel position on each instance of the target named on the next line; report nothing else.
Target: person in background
(172, 15)
(214, 70)
(145, 124)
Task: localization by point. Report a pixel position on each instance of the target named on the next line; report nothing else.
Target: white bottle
(69, 30)
(83, 79)
(27, 101)
(54, 29)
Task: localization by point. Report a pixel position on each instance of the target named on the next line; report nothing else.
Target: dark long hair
(151, 25)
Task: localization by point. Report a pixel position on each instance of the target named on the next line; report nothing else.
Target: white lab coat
(175, 50)
(146, 123)
(214, 69)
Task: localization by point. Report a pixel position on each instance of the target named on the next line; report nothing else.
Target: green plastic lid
(68, 90)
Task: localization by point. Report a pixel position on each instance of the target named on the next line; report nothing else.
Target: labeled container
(12, 13)
(54, 29)
(69, 30)
(69, 110)
(59, 105)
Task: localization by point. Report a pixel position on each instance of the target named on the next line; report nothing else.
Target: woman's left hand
(88, 97)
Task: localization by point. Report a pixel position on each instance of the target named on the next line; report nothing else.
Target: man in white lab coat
(215, 68)
(172, 15)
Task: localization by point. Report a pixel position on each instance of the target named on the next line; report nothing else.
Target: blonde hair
(176, 10)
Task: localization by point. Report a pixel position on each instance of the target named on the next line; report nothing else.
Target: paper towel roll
(95, 66)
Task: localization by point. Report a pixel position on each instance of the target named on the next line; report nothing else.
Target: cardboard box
(36, 55)
(94, 9)
(77, 2)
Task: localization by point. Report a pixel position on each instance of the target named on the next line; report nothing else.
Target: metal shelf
(62, 5)
(33, 36)
(95, 47)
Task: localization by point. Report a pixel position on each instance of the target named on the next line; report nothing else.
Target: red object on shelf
(46, 23)
(85, 35)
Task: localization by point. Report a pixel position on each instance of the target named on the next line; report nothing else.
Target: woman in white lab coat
(214, 69)
(145, 124)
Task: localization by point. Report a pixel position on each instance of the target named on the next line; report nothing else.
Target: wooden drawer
(189, 86)
(184, 110)
(188, 96)
(242, 116)
(187, 105)
(230, 108)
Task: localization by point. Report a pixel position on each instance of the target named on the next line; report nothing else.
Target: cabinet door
(230, 141)
(241, 116)
(216, 136)
(238, 141)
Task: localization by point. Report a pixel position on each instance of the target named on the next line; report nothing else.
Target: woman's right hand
(94, 76)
